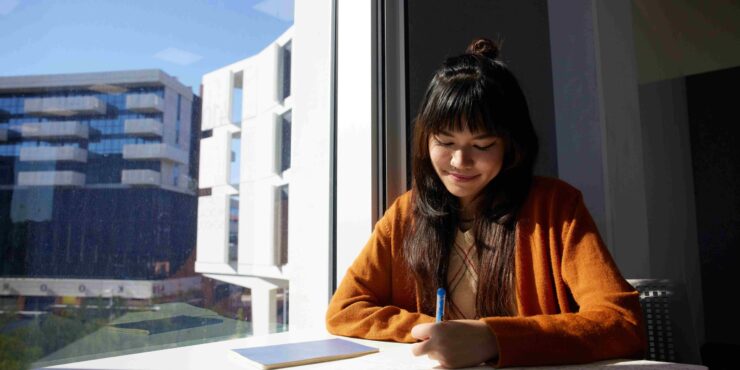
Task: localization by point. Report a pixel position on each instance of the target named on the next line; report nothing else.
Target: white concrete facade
(251, 132)
(55, 130)
(51, 178)
(65, 106)
(91, 288)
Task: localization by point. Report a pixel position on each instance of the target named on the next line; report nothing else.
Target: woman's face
(466, 162)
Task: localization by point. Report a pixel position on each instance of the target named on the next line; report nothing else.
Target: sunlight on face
(466, 162)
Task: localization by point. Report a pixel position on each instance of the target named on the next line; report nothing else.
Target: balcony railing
(53, 153)
(51, 178)
(64, 106)
(141, 177)
(55, 130)
(143, 127)
(159, 151)
(145, 103)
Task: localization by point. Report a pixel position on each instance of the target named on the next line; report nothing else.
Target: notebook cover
(293, 354)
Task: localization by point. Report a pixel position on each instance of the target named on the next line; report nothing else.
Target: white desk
(392, 356)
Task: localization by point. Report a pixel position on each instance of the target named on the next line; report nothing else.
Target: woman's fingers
(422, 331)
(420, 348)
(456, 343)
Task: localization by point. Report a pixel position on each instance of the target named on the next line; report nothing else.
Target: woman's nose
(461, 159)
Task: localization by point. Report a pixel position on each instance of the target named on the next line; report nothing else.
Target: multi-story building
(244, 179)
(97, 196)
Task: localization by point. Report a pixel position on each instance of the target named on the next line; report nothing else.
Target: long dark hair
(477, 92)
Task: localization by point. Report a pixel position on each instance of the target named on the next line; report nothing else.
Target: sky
(184, 38)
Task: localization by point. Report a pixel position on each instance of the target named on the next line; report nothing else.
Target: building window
(283, 140)
(234, 228)
(281, 225)
(235, 163)
(237, 95)
(177, 120)
(175, 174)
(285, 63)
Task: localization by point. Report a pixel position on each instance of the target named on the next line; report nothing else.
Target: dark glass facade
(95, 233)
(97, 225)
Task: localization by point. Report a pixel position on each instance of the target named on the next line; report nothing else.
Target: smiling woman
(519, 255)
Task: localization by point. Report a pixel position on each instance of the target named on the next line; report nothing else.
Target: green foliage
(45, 334)
(15, 354)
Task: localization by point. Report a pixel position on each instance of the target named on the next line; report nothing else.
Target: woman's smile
(462, 178)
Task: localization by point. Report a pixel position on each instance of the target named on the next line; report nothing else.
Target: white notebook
(301, 353)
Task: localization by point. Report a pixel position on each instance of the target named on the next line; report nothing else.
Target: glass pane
(105, 131)
(285, 131)
(281, 207)
(234, 228)
(285, 68)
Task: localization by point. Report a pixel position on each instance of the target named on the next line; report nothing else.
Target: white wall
(310, 188)
(355, 93)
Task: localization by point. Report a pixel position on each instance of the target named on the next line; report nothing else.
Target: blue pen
(440, 303)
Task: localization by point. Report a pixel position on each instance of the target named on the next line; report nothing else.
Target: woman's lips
(461, 177)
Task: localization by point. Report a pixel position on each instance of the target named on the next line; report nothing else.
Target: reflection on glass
(234, 228)
(285, 131)
(282, 224)
(99, 166)
(285, 60)
(235, 163)
(237, 88)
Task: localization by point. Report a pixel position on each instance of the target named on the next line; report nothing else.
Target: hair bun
(483, 46)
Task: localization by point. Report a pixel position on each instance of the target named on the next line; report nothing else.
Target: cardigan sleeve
(364, 304)
(607, 322)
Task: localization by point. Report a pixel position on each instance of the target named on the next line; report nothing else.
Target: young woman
(528, 279)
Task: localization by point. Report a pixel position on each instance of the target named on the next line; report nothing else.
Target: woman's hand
(455, 343)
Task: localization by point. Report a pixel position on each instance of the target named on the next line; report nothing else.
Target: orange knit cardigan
(573, 304)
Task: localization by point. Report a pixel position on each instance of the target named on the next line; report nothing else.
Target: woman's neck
(467, 216)
(465, 225)
(468, 209)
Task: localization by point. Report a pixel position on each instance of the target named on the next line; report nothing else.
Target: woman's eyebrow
(443, 132)
(476, 137)
(484, 136)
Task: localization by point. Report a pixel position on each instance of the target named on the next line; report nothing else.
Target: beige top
(462, 278)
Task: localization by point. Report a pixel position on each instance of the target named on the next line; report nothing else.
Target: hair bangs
(460, 106)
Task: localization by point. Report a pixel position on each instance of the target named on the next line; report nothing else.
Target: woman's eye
(443, 143)
(484, 147)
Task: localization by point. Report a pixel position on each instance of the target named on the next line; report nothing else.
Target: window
(284, 140)
(237, 88)
(233, 229)
(284, 77)
(102, 230)
(281, 224)
(235, 159)
(175, 174)
(177, 120)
